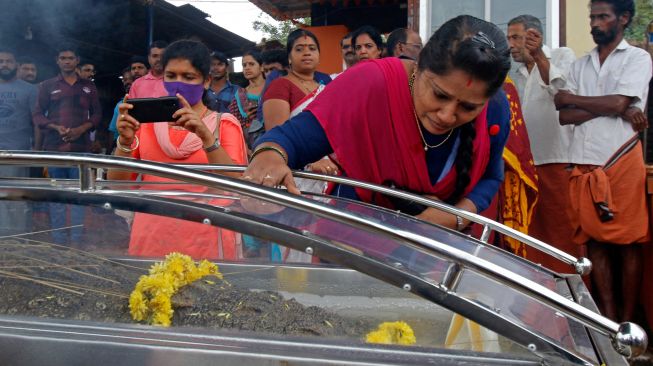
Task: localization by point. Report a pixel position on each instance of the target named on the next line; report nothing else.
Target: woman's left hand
(191, 120)
(445, 219)
(324, 166)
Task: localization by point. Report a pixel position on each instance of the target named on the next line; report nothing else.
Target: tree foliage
(275, 30)
(636, 32)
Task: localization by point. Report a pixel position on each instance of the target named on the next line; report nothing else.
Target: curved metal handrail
(630, 339)
(582, 265)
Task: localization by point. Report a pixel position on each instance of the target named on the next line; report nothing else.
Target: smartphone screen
(154, 109)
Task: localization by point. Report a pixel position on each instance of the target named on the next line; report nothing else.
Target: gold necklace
(411, 81)
(303, 82)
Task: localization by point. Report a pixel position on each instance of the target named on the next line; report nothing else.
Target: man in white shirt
(348, 56)
(538, 72)
(607, 90)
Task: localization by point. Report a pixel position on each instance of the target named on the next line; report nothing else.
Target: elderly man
(404, 43)
(538, 72)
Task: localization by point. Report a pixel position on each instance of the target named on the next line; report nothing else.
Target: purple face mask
(192, 92)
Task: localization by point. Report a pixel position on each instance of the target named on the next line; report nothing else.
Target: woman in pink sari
(198, 136)
(437, 128)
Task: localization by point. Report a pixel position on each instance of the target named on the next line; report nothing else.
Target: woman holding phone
(245, 103)
(197, 136)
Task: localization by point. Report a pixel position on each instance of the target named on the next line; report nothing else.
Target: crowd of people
(436, 119)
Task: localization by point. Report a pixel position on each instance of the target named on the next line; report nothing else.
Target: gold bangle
(127, 149)
(269, 148)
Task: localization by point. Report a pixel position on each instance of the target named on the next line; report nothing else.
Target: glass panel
(61, 272)
(525, 311)
(502, 11)
(119, 233)
(443, 10)
(157, 238)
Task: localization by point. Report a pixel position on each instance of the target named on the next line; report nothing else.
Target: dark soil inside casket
(56, 282)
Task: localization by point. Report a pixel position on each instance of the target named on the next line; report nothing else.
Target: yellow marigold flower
(151, 298)
(176, 268)
(161, 304)
(207, 268)
(392, 333)
(138, 306)
(157, 268)
(161, 319)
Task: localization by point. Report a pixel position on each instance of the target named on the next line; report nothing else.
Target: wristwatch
(214, 146)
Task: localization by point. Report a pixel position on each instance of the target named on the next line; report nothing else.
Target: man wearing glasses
(404, 43)
(348, 55)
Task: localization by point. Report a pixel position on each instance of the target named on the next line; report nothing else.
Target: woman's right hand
(270, 169)
(126, 124)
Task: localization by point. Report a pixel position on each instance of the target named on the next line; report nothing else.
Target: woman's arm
(276, 103)
(232, 150)
(126, 142)
(212, 144)
(294, 144)
(436, 216)
(302, 138)
(275, 113)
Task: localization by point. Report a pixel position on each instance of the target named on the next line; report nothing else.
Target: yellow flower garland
(392, 333)
(150, 300)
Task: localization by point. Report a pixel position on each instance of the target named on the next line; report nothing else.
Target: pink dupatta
(189, 145)
(378, 141)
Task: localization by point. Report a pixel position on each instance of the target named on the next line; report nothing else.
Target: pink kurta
(157, 236)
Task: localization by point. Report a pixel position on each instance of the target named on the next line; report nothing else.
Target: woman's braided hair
(480, 49)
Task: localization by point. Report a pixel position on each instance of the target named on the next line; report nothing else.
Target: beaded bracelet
(126, 149)
(269, 148)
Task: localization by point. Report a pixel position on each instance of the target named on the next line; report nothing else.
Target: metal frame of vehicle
(628, 338)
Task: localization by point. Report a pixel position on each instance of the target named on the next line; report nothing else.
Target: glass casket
(342, 268)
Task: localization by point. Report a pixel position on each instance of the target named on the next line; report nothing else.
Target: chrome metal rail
(629, 339)
(582, 265)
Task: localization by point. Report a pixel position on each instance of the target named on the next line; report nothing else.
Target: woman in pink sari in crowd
(436, 128)
(198, 136)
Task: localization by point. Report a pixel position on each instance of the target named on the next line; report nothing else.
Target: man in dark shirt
(67, 109)
(221, 91)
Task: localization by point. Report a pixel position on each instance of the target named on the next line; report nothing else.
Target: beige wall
(578, 27)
